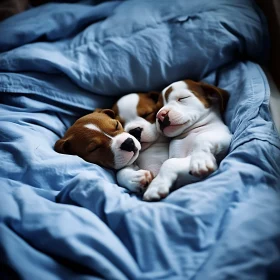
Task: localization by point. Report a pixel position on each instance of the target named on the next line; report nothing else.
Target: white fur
(94, 127)
(154, 148)
(200, 138)
(122, 157)
(130, 100)
(128, 112)
(133, 178)
(177, 86)
(185, 112)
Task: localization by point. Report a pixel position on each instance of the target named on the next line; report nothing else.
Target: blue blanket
(64, 218)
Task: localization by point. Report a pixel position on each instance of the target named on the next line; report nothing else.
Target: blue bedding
(64, 218)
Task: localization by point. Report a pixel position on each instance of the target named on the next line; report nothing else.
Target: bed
(64, 218)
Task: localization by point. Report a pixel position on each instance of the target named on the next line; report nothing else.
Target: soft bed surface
(64, 218)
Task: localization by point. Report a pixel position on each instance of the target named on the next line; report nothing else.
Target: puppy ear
(117, 116)
(154, 95)
(109, 113)
(63, 146)
(215, 95)
(115, 109)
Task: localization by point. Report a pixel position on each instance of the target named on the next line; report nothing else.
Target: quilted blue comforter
(64, 218)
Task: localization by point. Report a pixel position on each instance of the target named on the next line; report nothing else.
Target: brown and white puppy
(100, 138)
(137, 112)
(192, 115)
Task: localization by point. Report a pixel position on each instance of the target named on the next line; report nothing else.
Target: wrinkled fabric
(64, 218)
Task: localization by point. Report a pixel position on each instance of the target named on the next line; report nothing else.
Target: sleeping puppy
(191, 115)
(137, 112)
(99, 138)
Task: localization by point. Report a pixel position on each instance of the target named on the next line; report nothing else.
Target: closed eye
(147, 115)
(183, 98)
(117, 125)
(93, 149)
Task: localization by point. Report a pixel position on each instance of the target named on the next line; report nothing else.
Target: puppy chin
(125, 159)
(149, 138)
(176, 130)
(171, 131)
(134, 157)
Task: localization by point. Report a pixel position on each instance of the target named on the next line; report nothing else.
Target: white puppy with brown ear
(137, 113)
(192, 116)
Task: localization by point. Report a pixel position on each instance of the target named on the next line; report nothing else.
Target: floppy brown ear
(63, 146)
(215, 95)
(157, 98)
(154, 95)
(109, 113)
(117, 116)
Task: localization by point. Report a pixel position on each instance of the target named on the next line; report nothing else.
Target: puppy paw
(156, 191)
(202, 164)
(140, 180)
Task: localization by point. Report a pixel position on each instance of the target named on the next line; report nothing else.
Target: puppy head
(99, 138)
(187, 102)
(137, 112)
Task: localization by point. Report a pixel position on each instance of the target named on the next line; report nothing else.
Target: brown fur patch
(115, 108)
(195, 88)
(148, 107)
(167, 93)
(160, 102)
(208, 94)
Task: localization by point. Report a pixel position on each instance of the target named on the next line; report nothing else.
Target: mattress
(64, 218)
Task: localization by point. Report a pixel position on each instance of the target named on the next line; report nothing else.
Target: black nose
(163, 124)
(136, 132)
(128, 145)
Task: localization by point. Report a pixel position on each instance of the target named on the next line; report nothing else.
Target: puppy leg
(172, 170)
(202, 164)
(134, 179)
(205, 150)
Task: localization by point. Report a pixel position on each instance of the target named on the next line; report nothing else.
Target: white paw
(202, 164)
(157, 190)
(140, 180)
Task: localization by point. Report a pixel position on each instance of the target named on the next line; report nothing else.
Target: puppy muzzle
(164, 123)
(129, 146)
(136, 132)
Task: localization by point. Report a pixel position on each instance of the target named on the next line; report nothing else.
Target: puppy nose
(128, 145)
(163, 119)
(136, 132)
(162, 114)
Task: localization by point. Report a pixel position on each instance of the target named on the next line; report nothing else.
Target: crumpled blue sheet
(64, 218)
